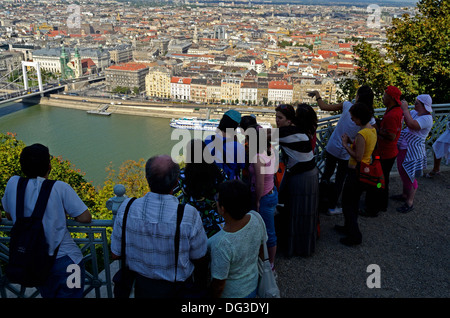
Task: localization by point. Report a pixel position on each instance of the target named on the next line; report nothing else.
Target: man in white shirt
(35, 164)
(336, 154)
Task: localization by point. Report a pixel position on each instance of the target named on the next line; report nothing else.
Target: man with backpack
(38, 207)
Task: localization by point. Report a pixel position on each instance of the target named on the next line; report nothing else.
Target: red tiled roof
(186, 80)
(280, 85)
(87, 63)
(326, 54)
(345, 65)
(128, 67)
(55, 33)
(345, 45)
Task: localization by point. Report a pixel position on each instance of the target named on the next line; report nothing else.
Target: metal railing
(441, 116)
(93, 241)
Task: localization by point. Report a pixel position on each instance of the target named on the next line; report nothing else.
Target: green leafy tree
(378, 73)
(420, 46)
(417, 59)
(131, 174)
(10, 150)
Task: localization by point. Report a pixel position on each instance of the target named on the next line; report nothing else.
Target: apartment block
(157, 82)
(280, 92)
(180, 88)
(129, 75)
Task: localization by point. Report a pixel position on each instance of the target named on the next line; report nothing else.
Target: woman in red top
(388, 130)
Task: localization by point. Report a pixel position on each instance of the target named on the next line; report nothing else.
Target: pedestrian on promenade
(441, 149)
(247, 122)
(264, 193)
(360, 150)
(199, 181)
(388, 130)
(227, 151)
(235, 250)
(336, 156)
(150, 237)
(299, 190)
(36, 165)
(412, 155)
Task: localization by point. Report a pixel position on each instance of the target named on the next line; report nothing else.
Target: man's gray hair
(162, 174)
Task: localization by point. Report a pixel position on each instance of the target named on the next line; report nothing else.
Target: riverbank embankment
(138, 108)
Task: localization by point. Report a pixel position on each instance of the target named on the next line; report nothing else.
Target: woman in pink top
(262, 168)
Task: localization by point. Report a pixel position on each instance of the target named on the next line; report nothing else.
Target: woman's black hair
(306, 119)
(287, 110)
(362, 111)
(247, 121)
(200, 177)
(260, 133)
(365, 95)
(235, 197)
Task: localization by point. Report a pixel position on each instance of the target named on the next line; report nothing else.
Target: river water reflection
(90, 142)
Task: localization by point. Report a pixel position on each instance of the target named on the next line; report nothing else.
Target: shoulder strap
(180, 213)
(20, 196)
(124, 229)
(258, 216)
(44, 194)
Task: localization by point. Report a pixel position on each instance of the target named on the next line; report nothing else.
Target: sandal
(405, 208)
(432, 174)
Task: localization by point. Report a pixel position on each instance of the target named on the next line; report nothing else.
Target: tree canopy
(417, 58)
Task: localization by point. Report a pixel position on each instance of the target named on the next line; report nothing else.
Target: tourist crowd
(263, 189)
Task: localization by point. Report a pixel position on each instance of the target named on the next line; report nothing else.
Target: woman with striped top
(300, 186)
(412, 156)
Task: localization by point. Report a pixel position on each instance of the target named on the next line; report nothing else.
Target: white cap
(426, 101)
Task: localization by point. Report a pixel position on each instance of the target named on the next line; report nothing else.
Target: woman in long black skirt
(299, 191)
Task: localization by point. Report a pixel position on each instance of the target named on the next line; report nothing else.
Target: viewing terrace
(411, 250)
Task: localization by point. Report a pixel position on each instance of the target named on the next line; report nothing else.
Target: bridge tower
(38, 70)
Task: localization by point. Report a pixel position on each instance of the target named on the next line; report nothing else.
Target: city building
(157, 82)
(10, 61)
(230, 90)
(280, 92)
(126, 75)
(326, 87)
(180, 88)
(121, 53)
(199, 90)
(263, 92)
(249, 93)
(214, 91)
(49, 58)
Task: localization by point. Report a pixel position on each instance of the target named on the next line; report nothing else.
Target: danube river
(90, 142)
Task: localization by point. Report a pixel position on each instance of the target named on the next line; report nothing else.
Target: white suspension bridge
(15, 85)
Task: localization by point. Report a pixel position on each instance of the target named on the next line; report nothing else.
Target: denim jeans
(267, 206)
(56, 286)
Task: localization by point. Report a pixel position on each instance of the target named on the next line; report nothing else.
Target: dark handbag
(372, 174)
(125, 277)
